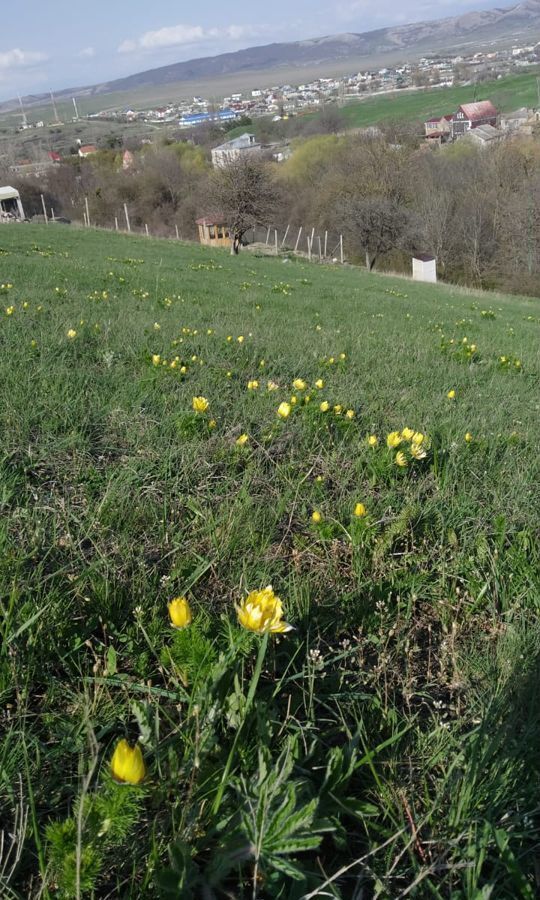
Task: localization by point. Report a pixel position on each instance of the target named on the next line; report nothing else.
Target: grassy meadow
(389, 745)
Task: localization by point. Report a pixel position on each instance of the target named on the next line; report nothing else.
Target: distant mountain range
(521, 21)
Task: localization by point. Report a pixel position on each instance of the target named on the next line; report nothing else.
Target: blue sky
(62, 43)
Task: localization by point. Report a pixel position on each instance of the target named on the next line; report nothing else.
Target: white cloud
(87, 53)
(20, 59)
(188, 35)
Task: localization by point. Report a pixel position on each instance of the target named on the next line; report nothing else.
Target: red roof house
(471, 115)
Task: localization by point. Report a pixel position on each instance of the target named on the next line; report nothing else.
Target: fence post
(309, 248)
(276, 241)
(341, 248)
(52, 213)
(285, 235)
(320, 251)
(267, 236)
(325, 243)
(44, 210)
(128, 224)
(87, 212)
(146, 229)
(177, 235)
(115, 223)
(298, 239)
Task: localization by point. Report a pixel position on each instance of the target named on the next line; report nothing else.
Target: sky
(53, 44)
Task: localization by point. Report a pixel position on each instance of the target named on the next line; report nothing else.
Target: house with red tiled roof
(472, 115)
(87, 150)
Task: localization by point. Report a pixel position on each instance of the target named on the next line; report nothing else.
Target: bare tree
(245, 195)
(376, 225)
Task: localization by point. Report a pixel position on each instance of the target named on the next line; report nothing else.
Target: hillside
(330, 53)
(392, 505)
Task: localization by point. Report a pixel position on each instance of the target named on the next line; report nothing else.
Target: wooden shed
(213, 232)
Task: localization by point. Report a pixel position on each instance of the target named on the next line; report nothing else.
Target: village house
(439, 128)
(472, 115)
(232, 150)
(484, 135)
(87, 150)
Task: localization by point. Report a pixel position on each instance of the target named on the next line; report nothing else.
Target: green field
(507, 94)
(386, 747)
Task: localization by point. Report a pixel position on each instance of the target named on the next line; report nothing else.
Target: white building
(424, 268)
(232, 150)
(10, 204)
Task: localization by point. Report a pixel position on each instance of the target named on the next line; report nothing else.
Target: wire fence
(310, 243)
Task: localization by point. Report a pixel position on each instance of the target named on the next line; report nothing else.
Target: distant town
(286, 99)
(279, 104)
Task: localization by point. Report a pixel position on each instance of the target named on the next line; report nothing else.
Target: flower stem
(249, 701)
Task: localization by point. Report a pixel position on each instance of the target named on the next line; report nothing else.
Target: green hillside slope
(398, 724)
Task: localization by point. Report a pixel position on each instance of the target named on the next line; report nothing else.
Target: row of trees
(477, 210)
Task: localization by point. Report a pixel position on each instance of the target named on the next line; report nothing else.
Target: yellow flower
(272, 386)
(338, 409)
(228, 374)
(157, 326)
(240, 339)
(10, 310)
(342, 356)
(319, 384)
(373, 440)
(325, 406)
(407, 434)
(229, 337)
(253, 385)
(127, 763)
(316, 516)
(299, 384)
(401, 459)
(349, 414)
(183, 370)
(451, 394)
(468, 437)
(417, 451)
(200, 404)
(418, 438)
(212, 423)
(393, 439)
(293, 400)
(262, 611)
(243, 439)
(331, 360)
(180, 613)
(71, 334)
(360, 510)
(284, 410)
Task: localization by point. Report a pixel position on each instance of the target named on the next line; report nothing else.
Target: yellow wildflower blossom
(393, 439)
(127, 763)
(284, 410)
(262, 612)
(200, 404)
(180, 613)
(401, 459)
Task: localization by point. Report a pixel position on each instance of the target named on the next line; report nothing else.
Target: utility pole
(76, 110)
(23, 113)
(56, 119)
